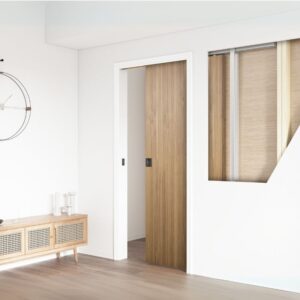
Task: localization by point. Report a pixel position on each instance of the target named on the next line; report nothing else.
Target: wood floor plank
(95, 278)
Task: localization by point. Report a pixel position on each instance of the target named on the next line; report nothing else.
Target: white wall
(86, 24)
(240, 231)
(136, 153)
(43, 159)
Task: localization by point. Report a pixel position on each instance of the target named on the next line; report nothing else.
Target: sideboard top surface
(38, 220)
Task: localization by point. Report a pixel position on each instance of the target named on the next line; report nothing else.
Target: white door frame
(120, 150)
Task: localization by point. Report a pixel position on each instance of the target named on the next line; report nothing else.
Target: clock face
(14, 107)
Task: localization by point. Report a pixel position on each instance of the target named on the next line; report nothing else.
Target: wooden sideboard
(41, 235)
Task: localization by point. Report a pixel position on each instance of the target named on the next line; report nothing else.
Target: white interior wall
(43, 159)
(136, 152)
(86, 24)
(234, 225)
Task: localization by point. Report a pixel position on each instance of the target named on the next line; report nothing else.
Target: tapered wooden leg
(57, 255)
(75, 255)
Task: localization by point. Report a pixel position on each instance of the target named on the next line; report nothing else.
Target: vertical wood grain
(218, 117)
(257, 115)
(166, 179)
(295, 86)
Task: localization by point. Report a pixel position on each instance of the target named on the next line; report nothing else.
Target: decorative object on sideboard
(63, 203)
(15, 106)
(1, 221)
(69, 203)
(56, 203)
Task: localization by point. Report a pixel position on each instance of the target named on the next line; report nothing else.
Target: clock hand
(3, 103)
(12, 107)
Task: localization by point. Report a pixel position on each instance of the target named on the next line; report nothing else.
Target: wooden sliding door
(166, 170)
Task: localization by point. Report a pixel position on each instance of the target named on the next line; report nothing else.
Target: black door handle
(148, 162)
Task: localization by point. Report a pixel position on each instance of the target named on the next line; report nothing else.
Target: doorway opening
(136, 163)
(131, 140)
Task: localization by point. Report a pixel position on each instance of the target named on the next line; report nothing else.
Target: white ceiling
(88, 24)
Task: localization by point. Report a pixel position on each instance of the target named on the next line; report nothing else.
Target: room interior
(152, 154)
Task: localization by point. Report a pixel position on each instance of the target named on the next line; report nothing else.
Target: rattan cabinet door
(11, 244)
(70, 233)
(39, 238)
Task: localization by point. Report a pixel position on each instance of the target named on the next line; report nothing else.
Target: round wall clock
(15, 107)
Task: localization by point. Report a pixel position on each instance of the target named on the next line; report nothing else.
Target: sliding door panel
(219, 156)
(166, 177)
(257, 114)
(251, 125)
(295, 86)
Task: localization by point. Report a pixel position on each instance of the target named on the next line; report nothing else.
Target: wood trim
(283, 96)
(38, 220)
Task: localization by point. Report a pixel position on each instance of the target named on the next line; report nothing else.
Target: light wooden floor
(96, 278)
